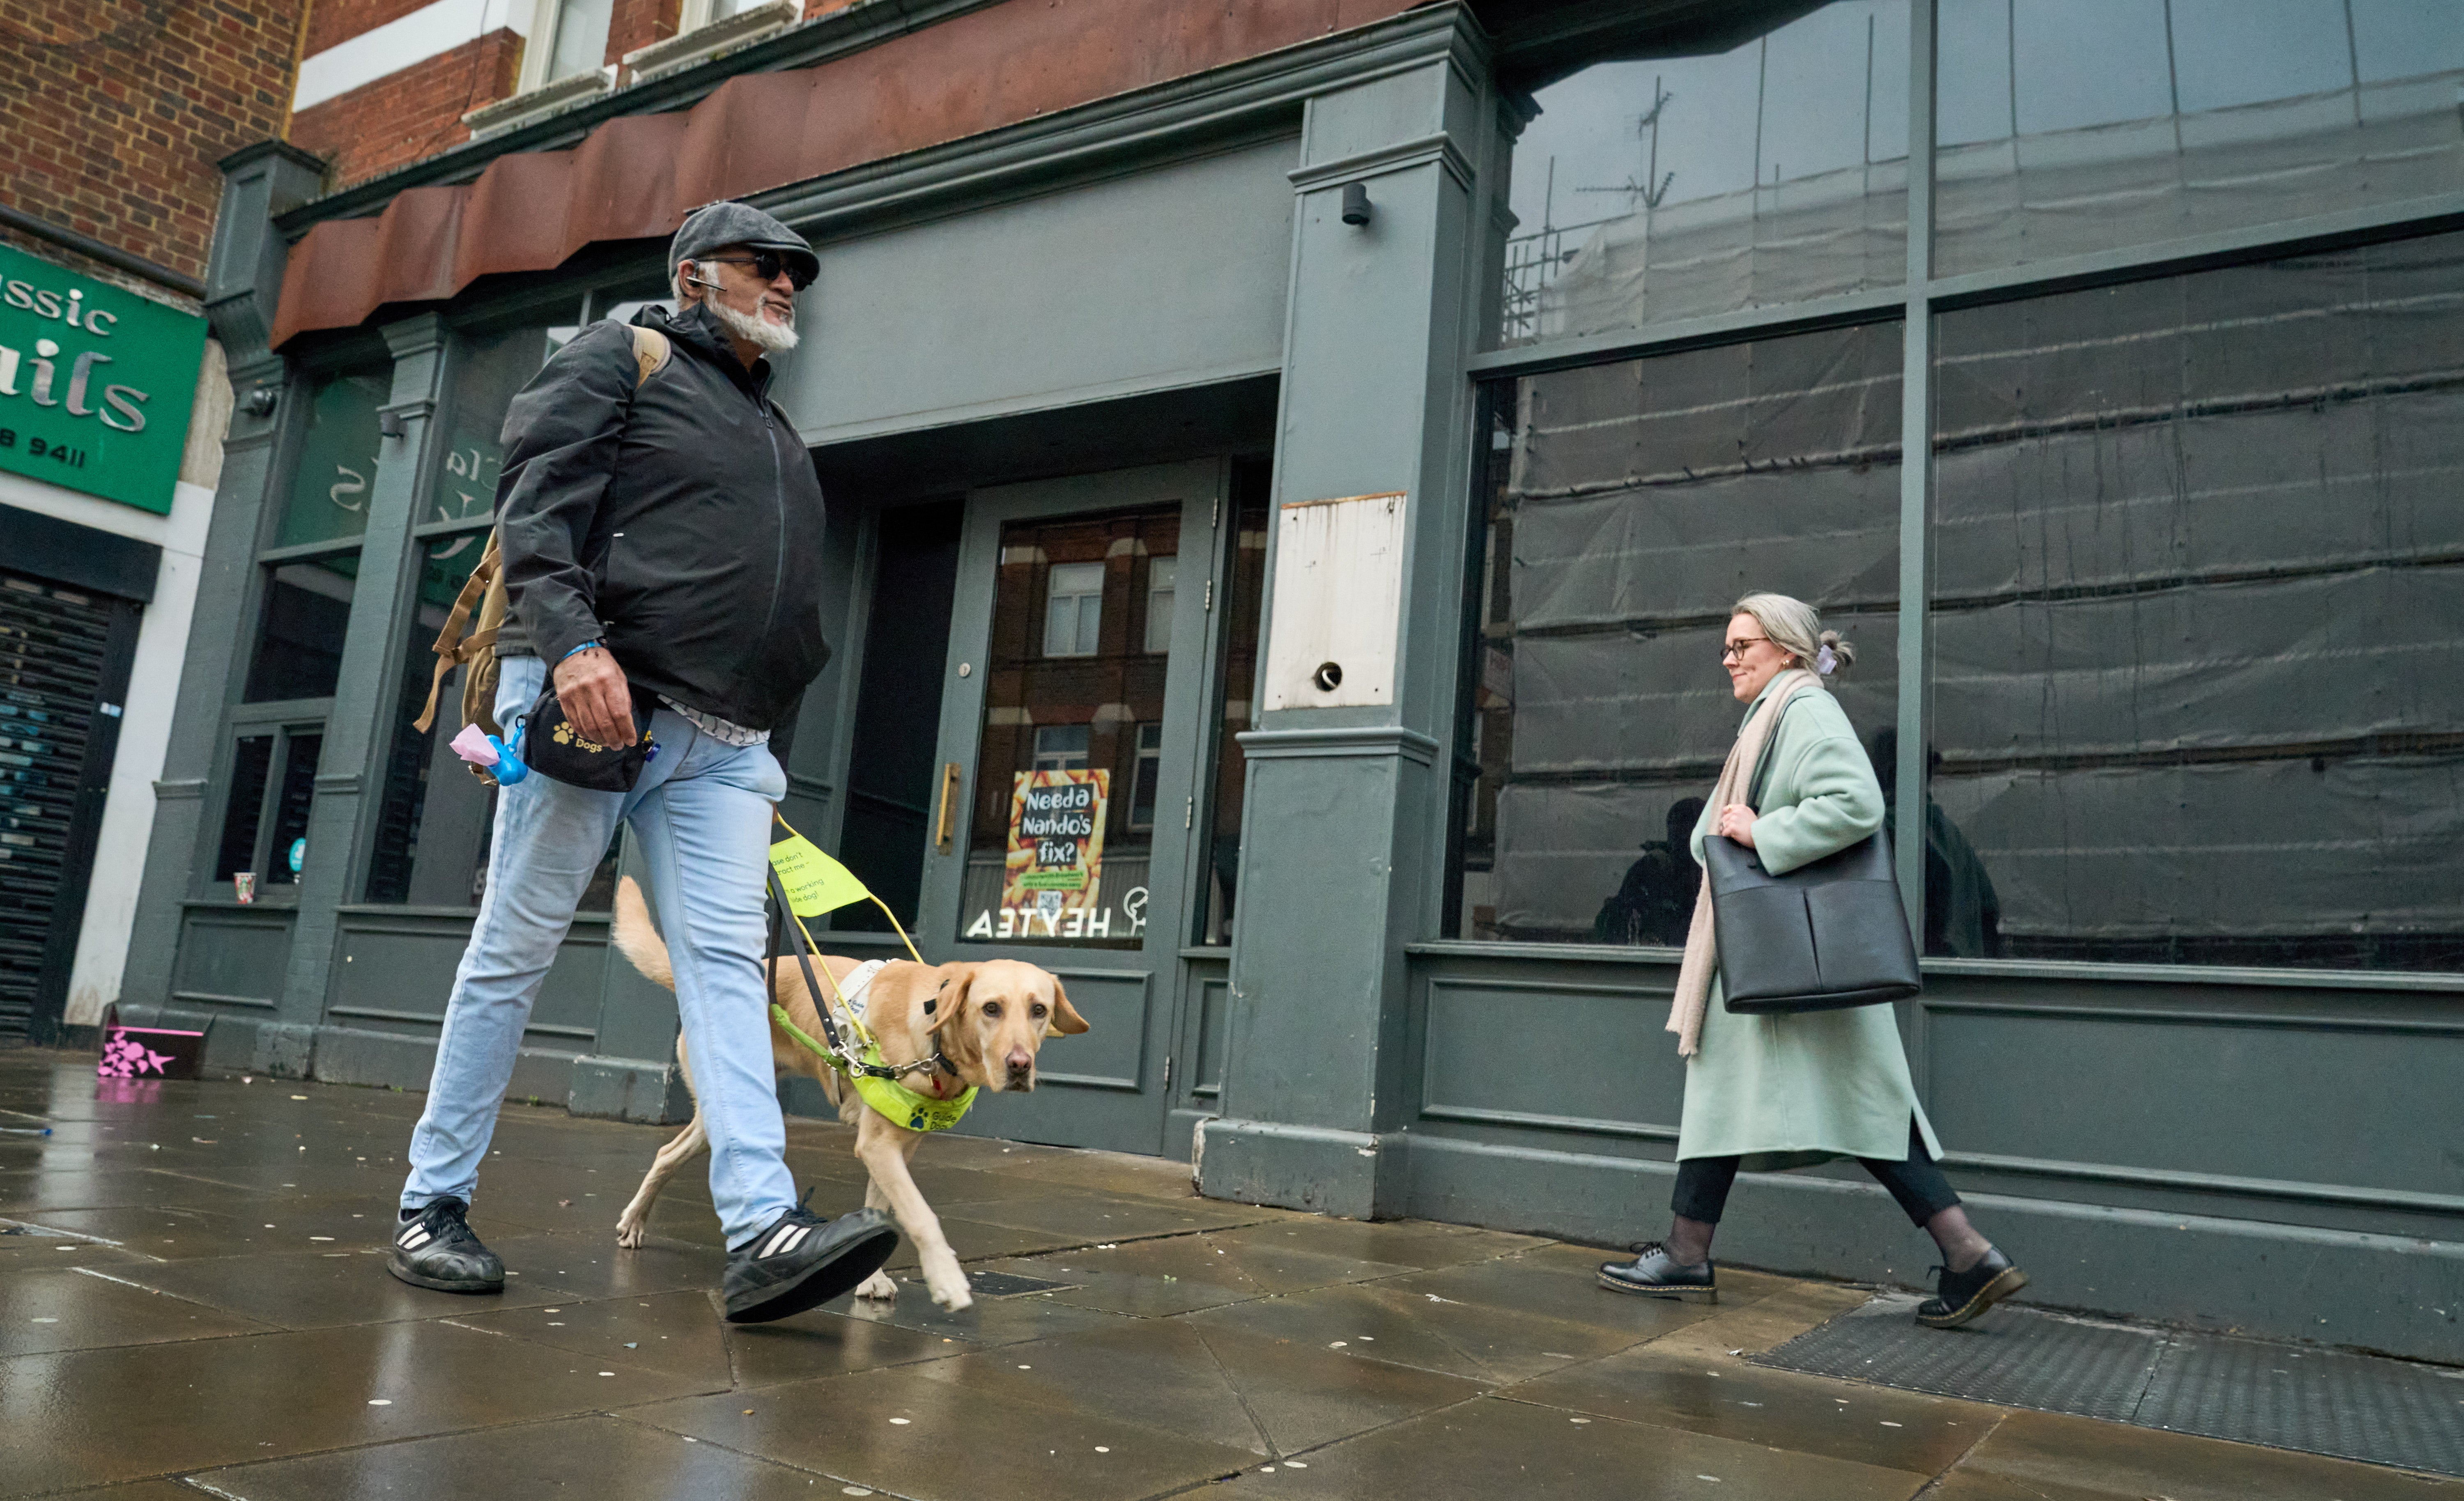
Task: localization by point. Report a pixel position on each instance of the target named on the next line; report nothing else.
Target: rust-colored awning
(634, 177)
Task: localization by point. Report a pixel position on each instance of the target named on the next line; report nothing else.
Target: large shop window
(2198, 615)
(1070, 682)
(435, 819)
(1678, 187)
(2070, 127)
(307, 572)
(1628, 506)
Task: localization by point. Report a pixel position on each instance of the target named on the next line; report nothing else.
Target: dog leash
(875, 1082)
(855, 1059)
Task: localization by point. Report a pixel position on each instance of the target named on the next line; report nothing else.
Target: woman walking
(1774, 1091)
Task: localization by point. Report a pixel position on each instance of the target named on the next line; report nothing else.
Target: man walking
(659, 523)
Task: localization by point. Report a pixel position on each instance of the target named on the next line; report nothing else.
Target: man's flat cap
(715, 226)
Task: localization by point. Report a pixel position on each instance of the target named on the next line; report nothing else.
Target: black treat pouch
(553, 748)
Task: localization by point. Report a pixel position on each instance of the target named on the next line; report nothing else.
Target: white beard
(756, 329)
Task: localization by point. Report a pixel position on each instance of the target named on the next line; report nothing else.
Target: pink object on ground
(472, 745)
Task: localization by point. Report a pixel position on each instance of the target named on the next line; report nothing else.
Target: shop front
(1282, 517)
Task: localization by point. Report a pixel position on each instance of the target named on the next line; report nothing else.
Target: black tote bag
(1828, 935)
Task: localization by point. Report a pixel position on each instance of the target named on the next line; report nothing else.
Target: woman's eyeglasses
(767, 265)
(1737, 648)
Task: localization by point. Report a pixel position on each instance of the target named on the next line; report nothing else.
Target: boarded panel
(1609, 1067)
(1338, 602)
(2244, 1098)
(232, 959)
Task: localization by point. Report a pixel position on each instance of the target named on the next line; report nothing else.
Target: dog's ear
(948, 999)
(1064, 1016)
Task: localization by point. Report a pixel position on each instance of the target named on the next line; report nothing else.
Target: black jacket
(681, 522)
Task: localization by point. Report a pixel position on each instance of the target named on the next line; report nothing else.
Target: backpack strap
(651, 351)
(456, 643)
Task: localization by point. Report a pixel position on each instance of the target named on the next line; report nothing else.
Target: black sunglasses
(767, 265)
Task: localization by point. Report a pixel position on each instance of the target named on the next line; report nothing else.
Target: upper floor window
(1771, 171)
(578, 35)
(2064, 129)
(1073, 610)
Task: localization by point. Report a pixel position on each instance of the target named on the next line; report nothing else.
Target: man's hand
(595, 696)
(1737, 822)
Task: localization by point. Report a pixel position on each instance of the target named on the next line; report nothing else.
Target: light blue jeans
(701, 815)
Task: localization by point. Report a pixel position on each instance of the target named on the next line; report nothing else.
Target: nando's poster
(1055, 867)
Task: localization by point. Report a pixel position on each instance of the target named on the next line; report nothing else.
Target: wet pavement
(193, 1301)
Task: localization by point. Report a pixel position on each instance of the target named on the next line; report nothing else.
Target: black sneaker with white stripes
(802, 1261)
(436, 1248)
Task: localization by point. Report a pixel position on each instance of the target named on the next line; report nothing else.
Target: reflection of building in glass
(1074, 683)
(2198, 611)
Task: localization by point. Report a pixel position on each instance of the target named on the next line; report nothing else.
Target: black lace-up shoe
(1961, 1296)
(436, 1248)
(1652, 1273)
(802, 1261)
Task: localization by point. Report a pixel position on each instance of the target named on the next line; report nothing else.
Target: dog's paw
(628, 1232)
(878, 1285)
(949, 1291)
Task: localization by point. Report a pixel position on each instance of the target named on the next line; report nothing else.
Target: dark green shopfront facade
(2165, 619)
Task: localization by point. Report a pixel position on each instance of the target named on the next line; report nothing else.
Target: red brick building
(383, 84)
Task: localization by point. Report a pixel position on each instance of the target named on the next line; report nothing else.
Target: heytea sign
(96, 383)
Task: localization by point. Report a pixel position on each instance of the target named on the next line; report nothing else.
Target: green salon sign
(96, 383)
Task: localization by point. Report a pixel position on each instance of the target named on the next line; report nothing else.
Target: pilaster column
(243, 282)
(1343, 849)
(358, 728)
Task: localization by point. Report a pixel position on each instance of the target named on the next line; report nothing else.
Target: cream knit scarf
(1701, 949)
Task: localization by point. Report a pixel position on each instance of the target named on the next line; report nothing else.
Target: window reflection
(487, 371)
(251, 763)
(337, 466)
(2198, 614)
(1055, 853)
(432, 822)
(300, 631)
(1681, 186)
(1629, 505)
(2069, 126)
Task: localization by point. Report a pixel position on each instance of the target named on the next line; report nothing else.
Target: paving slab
(61, 1308)
(1487, 1448)
(593, 1456)
(1491, 1345)
(1177, 1274)
(264, 1396)
(901, 1432)
(1870, 1425)
(2039, 1456)
(1411, 1243)
(1270, 1397)
(351, 1286)
(988, 1321)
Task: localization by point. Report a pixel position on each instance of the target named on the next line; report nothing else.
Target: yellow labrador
(986, 1021)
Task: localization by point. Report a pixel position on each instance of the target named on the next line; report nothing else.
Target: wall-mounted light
(1355, 203)
(260, 400)
(389, 425)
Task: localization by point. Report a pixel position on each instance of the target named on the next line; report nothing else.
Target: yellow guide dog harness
(852, 1049)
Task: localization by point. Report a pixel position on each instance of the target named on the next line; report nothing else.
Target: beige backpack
(468, 637)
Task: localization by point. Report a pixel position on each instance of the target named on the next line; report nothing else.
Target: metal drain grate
(1003, 1284)
(2350, 1407)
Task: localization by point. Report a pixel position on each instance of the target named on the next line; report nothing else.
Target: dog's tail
(636, 939)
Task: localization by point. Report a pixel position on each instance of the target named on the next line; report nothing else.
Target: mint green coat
(1791, 1091)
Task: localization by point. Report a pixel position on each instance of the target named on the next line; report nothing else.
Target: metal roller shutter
(53, 654)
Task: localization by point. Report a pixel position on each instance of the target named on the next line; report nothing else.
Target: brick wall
(332, 21)
(415, 112)
(114, 116)
(635, 24)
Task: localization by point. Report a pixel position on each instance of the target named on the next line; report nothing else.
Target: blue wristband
(578, 650)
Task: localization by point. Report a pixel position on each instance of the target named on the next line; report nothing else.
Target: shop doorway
(1080, 729)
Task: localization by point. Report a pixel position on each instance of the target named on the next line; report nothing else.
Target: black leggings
(1702, 1183)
